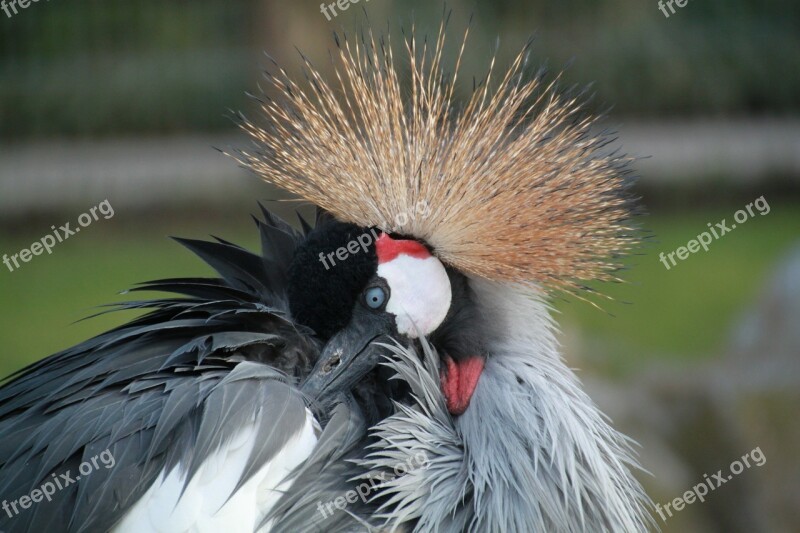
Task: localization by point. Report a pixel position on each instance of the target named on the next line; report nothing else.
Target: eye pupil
(375, 297)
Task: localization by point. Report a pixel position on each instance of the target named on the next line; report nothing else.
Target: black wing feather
(166, 388)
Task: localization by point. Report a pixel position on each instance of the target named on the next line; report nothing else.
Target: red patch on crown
(388, 249)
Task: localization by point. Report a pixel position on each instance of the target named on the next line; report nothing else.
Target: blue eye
(375, 297)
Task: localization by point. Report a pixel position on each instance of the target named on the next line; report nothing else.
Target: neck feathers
(548, 461)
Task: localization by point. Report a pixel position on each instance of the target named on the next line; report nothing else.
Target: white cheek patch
(420, 293)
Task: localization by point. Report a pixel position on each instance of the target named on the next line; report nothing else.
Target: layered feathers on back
(167, 389)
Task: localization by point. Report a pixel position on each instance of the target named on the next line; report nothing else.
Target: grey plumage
(523, 201)
(329, 473)
(532, 453)
(165, 389)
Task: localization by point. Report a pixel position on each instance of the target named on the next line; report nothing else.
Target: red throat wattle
(459, 379)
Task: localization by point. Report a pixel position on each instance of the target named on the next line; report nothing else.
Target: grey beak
(348, 357)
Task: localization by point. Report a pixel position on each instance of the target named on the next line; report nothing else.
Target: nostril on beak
(332, 363)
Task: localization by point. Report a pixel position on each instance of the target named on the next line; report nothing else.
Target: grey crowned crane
(393, 368)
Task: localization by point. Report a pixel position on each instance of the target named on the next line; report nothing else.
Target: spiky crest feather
(516, 182)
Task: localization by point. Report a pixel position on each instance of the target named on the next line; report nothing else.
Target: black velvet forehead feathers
(328, 273)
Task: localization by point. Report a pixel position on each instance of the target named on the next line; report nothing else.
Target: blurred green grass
(689, 311)
(681, 314)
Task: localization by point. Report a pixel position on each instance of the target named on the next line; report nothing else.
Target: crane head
(380, 288)
(525, 194)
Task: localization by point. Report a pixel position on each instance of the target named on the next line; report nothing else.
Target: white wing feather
(205, 505)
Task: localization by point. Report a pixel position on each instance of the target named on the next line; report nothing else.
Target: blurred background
(126, 101)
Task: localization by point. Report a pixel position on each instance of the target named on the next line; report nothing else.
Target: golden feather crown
(515, 184)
